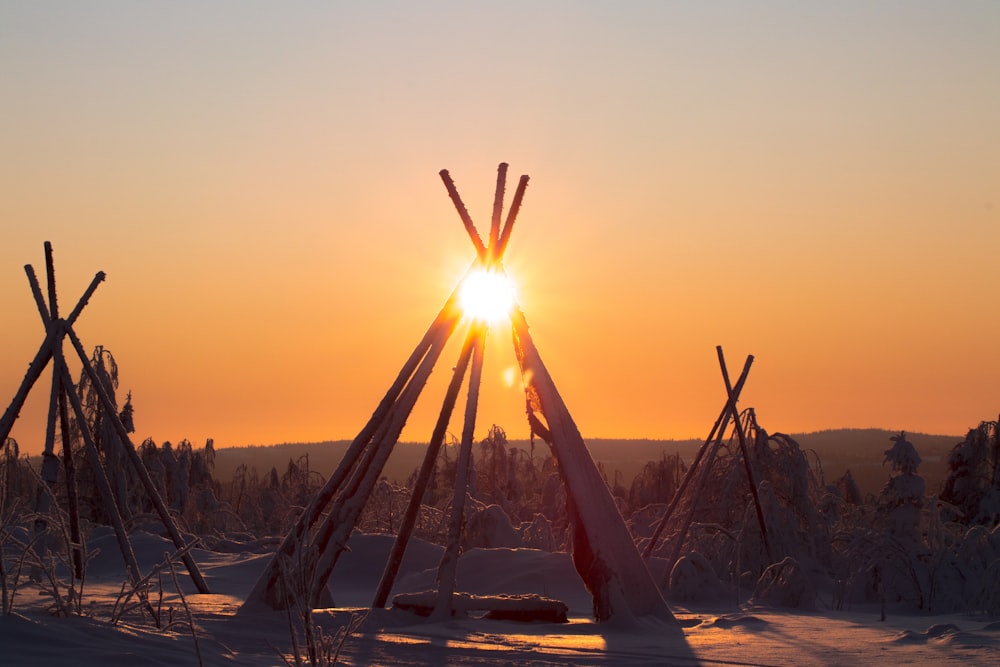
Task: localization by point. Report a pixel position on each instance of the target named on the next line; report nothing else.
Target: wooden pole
(696, 496)
(48, 479)
(470, 227)
(265, 589)
(50, 463)
(35, 369)
(679, 543)
(69, 470)
(140, 469)
(395, 559)
(103, 486)
(58, 405)
(36, 292)
(678, 494)
(44, 353)
(604, 554)
(515, 206)
(689, 475)
(50, 273)
(82, 303)
(343, 516)
(448, 567)
(746, 456)
(497, 206)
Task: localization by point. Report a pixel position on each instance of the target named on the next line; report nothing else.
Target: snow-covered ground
(725, 633)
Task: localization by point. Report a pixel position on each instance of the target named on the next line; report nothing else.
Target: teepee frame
(603, 551)
(62, 399)
(702, 466)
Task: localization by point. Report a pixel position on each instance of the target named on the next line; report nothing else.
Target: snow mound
(490, 528)
(693, 579)
(511, 572)
(949, 634)
(107, 559)
(937, 631)
(729, 621)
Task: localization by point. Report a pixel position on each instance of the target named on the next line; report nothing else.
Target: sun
(487, 296)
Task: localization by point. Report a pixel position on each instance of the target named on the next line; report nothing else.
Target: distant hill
(833, 451)
(863, 450)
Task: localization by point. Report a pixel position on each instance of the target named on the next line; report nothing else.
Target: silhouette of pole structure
(702, 465)
(62, 399)
(604, 553)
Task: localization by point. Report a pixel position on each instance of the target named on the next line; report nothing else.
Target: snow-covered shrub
(656, 482)
(789, 495)
(784, 584)
(17, 483)
(693, 579)
(539, 534)
(897, 550)
(793, 513)
(494, 481)
(510, 477)
(846, 488)
(385, 508)
(269, 506)
(490, 528)
(723, 515)
(642, 522)
(879, 551)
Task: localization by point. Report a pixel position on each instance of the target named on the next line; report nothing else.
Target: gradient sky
(816, 184)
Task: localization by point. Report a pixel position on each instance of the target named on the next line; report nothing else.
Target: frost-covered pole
(331, 538)
(266, 589)
(724, 415)
(58, 406)
(497, 207)
(604, 554)
(448, 567)
(703, 480)
(69, 470)
(423, 477)
(103, 485)
(50, 464)
(50, 469)
(463, 213)
(137, 464)
(675, 552)
(746, 454)
(35, 369)
(515, 206)
(43, 355)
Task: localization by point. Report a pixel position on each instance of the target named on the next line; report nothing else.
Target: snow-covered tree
(973, 482)
(903, 495)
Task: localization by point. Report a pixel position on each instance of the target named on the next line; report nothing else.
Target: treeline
(837, 451)
(825, 539)
(795, 536)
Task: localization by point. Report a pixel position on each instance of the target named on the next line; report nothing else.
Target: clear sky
(813, 183)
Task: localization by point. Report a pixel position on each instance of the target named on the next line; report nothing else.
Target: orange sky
(814, 185)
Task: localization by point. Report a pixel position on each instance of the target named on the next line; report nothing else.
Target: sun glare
(487, 296)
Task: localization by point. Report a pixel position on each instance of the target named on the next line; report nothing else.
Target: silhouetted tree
(973, 482)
